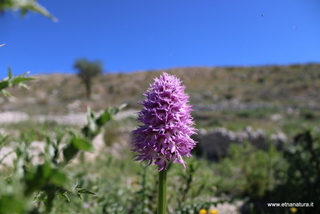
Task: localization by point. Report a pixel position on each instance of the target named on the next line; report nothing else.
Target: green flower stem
(162, 193)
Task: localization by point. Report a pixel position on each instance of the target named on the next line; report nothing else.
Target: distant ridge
(279, 85)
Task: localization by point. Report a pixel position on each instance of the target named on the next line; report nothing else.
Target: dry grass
(284, 85)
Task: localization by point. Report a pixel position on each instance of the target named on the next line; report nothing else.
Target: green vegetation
(12, 81)
(250, 172)
(25, 6)
(42, 182)
(113, 183)
(71, 174)
(67, 177)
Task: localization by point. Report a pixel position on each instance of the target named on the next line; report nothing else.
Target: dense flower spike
(164, 135)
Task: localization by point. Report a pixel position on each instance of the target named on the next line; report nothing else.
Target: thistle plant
(164, 135)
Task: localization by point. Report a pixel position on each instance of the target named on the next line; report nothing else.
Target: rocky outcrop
(214, 144)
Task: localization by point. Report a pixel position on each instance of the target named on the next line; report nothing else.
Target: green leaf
(104, 117)
(115, 110)
(91, 120)
(12, 204)
(35, 181)
(46, 170)
(76, 144)
(69, 152)
(19, 79)
(85, 191)
(5, 93)
(12, 80)
(82, 144)
(59, 178)
(107, 115)
(4, 84)
(31, 5)
(91, 129)
(90, 114)
(50, 191)
(85, 131)
(65, 195)
(94, 124)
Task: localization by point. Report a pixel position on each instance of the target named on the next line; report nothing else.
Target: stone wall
(214, 144)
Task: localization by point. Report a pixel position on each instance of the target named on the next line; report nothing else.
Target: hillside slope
(280, 85)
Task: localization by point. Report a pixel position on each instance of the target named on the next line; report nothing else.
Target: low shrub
(301, 182)
(248, 172)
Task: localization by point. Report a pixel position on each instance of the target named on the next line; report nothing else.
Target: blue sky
(135, 35)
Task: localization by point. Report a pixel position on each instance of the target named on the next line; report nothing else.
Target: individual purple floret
(164, 135)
